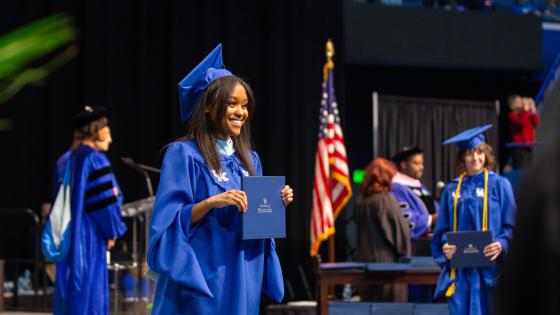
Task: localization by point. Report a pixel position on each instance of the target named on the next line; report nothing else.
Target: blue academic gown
(206, 268)
(473, 286)
(413, 210)
(81, 285)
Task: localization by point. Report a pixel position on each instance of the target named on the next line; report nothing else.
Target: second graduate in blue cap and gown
(203, 264)
(462, 208)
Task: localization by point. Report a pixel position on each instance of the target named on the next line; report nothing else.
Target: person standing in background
(416, 201)
(523, 119)
(477, 200)
(81, 285)
(418, 207)
(383, 234)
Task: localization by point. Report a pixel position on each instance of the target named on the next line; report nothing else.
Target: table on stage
(420, 270)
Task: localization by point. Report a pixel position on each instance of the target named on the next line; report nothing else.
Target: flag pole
(331, 186)
(329, 50)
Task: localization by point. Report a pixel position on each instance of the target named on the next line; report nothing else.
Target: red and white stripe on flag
(331, 186)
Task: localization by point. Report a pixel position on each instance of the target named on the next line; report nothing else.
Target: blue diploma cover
(266, 213)
(470, 245)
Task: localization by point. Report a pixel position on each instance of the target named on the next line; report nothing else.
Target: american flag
(331, 187)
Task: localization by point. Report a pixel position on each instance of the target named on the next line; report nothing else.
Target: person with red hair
(383, 233)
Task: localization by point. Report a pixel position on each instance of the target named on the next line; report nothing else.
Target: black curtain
(426, 123)
(133, 53)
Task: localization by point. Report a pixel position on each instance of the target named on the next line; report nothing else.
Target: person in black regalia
(383, 234)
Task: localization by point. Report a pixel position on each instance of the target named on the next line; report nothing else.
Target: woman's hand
(232, 197)
(449, 250)
(492, 250)
(229, 198)
(287, 195)
(111, 243)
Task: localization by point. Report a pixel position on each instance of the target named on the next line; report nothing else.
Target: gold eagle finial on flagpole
(329, 49)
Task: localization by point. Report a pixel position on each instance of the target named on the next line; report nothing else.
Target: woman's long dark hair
(202, 130)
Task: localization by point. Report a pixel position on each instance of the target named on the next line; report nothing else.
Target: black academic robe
(383, 236)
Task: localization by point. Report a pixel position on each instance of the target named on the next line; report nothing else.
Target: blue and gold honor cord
(451, 290)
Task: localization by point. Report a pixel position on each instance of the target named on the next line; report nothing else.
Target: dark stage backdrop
(426, 122)
(133, 53)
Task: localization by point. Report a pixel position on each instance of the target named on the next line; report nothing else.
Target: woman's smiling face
(475, 160)
(236, 114)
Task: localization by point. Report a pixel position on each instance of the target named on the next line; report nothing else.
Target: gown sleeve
(101, 197)
(413, 210)
(507, 212)
(170, 253)
(273, 282)
(442, 226)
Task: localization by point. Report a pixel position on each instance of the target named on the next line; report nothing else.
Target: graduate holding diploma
(478, 200)
(196, 247)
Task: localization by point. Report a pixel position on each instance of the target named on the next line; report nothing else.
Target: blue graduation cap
(195, 83)
(470, 138)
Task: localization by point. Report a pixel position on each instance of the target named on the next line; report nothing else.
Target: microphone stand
(148, 183)
(144, 169)
(148, 168)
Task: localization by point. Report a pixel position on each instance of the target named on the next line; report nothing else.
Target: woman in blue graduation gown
(462, 208)
(81, 285)
(203, 265)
